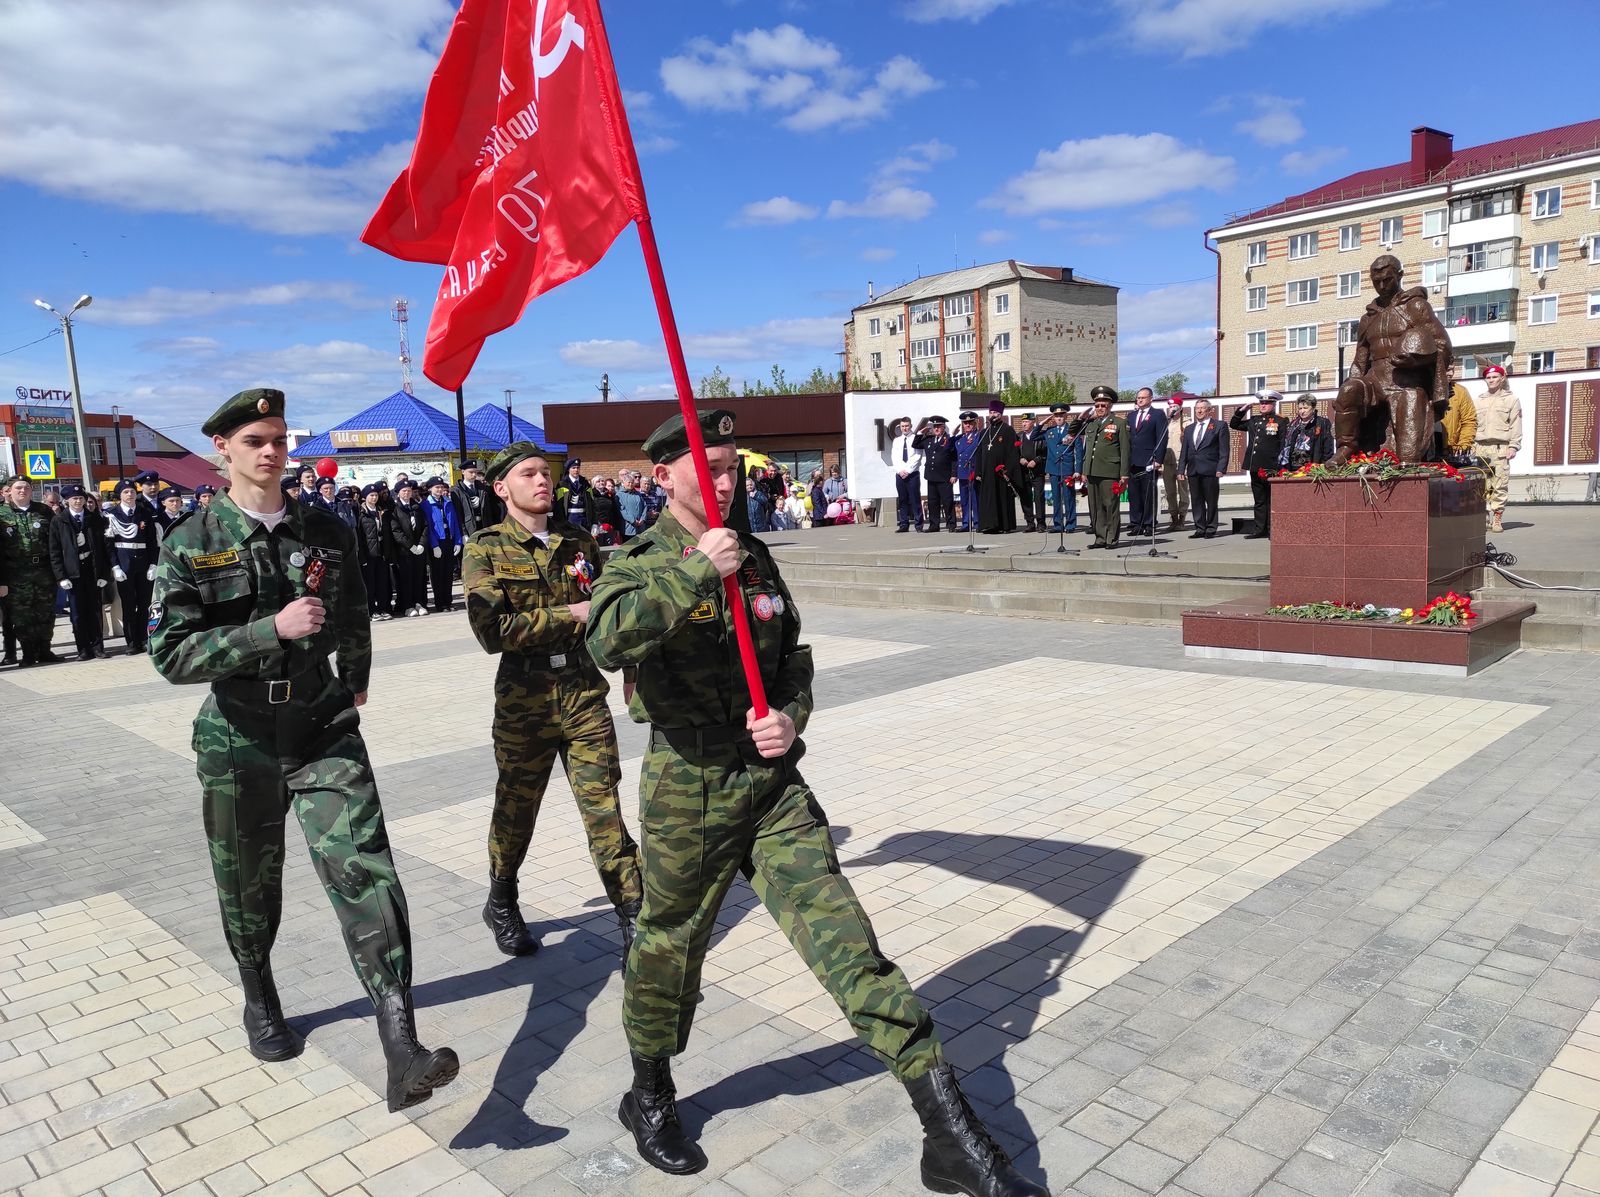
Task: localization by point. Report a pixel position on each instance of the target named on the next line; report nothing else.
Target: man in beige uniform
(1177, 492)
(1499, 438)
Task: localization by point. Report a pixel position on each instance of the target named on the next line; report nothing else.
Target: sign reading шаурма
(365, 438)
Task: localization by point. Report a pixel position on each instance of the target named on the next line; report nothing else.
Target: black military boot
(650, 1111)
(627, 915)
(414, 1071)
(271, 1038)
(958, 1156)
(501, 915)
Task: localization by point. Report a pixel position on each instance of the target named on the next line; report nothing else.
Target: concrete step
(1106, 608)
(1572, 603)
(1005, 555)
(1561, 633)
(1113, 583)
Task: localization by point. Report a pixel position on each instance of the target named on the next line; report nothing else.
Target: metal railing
(1465, 315)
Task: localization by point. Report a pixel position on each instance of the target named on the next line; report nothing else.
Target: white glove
(150, 574)
(437, 552)
(416, 550)
(116, 572)
(101, 582)
(1151, 468)
(66, 583)
(458, 550)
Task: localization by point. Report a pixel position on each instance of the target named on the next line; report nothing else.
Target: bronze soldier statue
(1402, 355)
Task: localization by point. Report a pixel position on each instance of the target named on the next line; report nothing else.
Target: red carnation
(1261, 473)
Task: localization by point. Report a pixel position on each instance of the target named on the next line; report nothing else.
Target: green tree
(1169, 384)
(1127, 394)
(715, 385)
(1040, 391)
(820, 382)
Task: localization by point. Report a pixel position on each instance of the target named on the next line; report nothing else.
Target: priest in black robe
(998, 466)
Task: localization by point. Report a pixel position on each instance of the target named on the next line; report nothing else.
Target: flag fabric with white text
(522, 175)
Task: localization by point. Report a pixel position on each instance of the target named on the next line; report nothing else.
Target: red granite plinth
(1242, 629)
(1395, 544)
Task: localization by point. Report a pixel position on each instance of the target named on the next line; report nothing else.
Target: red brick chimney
(1431, 152)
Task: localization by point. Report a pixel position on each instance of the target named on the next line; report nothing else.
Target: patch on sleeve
(215, 560)
(514, 569)
(704, 613)
(157, 611)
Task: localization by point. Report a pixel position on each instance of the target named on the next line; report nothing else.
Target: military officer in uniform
(132, 537)
(82, 568)
(1107, 450)
(939, 467)
(1263, 429)
(966, 442)
(1064, 464)
(253, 595)
(26, 583)
(721, 793)
(1499, 438)
(527, 582)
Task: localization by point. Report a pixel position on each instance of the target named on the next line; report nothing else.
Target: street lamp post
(511, 432)
(116, 421)
(77, 391)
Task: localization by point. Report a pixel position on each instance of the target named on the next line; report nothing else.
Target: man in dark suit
(1147, 438)
(1202, 459)
(939, 469)
(1263, 431)
(1031, 454)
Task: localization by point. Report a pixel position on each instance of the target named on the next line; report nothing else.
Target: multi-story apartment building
(999, 323)
(1505, 237)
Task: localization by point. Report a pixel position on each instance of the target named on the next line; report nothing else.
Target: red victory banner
(522, 175)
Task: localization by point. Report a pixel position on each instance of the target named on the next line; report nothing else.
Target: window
(900, 356)
(1254, 383)
(1255, 299)
(1301, 290)
(1303, 245)
(97, 452)
(1350, 284)
(963, 342)
(875, 361)
(1546, 202)
(1391, 230)
(958, 305)
(1594, 311)
(1301, 380)
(1433, 222)
(1546, 255)
(1255, 343)
(1347, 331)
(1002, 379)
(1542, 361)
(1300, 336)
(926, 347)
(1349, 237)
(1594, 196)
(1542, 309)
(1435, 272)
(925, 313)
(874, 327)
(963, 378)
(1002, 342)
(1594, 248)
(1477, 207)
(1258, 254)
(1002, 304)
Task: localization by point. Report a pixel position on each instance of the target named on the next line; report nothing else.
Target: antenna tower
(402, 319)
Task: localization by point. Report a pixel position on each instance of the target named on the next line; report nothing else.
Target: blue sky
(203, 168)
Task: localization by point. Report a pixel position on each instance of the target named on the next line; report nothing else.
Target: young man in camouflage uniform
(26, 581)
(721, 793)
(252, 596)
(527, 582)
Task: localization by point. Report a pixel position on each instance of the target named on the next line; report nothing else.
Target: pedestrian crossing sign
(40, 465)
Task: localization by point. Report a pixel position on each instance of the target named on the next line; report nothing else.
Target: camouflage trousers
(256, 762)
(705, 813)
(538, 716)
(33, 609)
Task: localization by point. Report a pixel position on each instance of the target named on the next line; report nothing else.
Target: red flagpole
(702, 468)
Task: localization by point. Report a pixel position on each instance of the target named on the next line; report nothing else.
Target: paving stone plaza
(1188, 927)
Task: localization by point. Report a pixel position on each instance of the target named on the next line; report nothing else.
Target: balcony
(1489, 321)
(1482, 267)
(1485, 229)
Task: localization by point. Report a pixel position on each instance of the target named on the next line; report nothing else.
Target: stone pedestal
(1395, 544)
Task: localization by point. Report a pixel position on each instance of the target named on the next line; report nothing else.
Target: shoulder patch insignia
(156, 613)
(704, 613)
(213, 561)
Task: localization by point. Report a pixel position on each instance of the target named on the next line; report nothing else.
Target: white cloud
(785, 69)
(1274, 122)
(247, 114)
(780, 209)
(885, 203)
(927, 11)
(877, 253)
(1170, 216)
(654, 144)
(1196, 28)
(1310, 162)
(1110, 171)
(159, 305)
(613, 355)
(1158, 329)
(994, 236)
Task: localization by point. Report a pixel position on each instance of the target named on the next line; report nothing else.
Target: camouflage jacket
(662, 607)
(518, 590)
(223, 578)
(24, 541)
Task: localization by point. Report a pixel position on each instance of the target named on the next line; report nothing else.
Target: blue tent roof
(421, 428)
(489, 422)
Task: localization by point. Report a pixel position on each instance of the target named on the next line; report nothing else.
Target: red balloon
(327, 468)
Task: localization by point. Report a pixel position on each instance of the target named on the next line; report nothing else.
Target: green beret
(500, 464)
(1106, 393)
(258, 403)
(671, 441)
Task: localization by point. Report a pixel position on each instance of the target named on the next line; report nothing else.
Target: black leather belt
(272, 691)
(698, 739)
